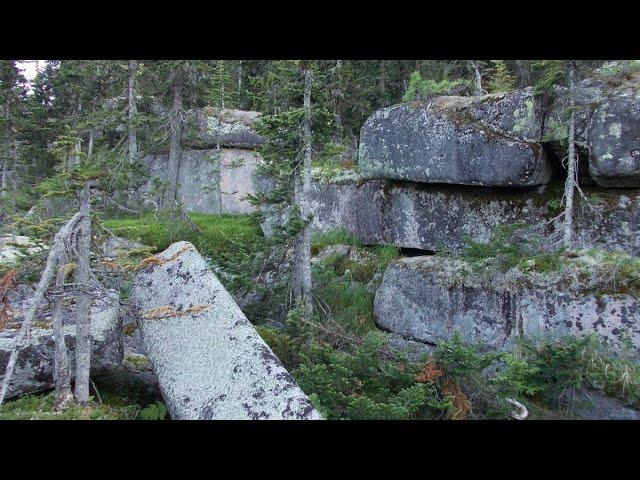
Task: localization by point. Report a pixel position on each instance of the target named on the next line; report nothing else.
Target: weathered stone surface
(112, 247)
(198, 189)
(457, 140)
(615, 137)
(413, 351)
(593, 405)
(607, 112)
(210, 361)
(429, 298)
(203, 128)
(34, 368)
(14, 248)
(438, 217)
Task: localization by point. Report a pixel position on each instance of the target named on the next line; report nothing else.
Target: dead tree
(132, 112)
(83, 301)
(61, 372)
(478, 77)
(57, 249)
(73, 237)
(305, 209)
(571, 182)
(175, 117)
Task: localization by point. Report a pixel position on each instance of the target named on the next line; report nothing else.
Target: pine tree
(500, 79)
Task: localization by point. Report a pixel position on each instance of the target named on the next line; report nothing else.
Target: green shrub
(155, 411)
(500, 78)
(232, 242)
(422, 87)
(338, 236)
(363, 385)
(553, 369)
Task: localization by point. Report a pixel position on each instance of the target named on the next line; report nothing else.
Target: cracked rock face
(615, 139)
(429, 298)
(198, 190)
(456, 140)
(440, 217)
(210, 362)
(34, 367)
(204, 127)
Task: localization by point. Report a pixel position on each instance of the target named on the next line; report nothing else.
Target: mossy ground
(123, 397)
(232, 243)
(218, 233)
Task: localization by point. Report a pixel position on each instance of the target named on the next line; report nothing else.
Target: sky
(30, 68)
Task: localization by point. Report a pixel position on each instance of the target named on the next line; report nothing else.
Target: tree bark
(5, 175)
(78, 148)
(90, 147)
(173, 170)
(523, 72)
(61, 373)
(55, 252)
(478, 76)
(133, 110)
(5, 153)
(218, 173)
(240, 99)
(337, 101)
(570, 183)
(305, 210)
(83, 301)
(296, 275)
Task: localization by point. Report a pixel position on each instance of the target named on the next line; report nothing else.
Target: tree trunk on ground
(173, 170)
(133, 110)
(570, 183)
(61, 373)
(305, 210)
(478, 77)
(55, 252)
(83, 302)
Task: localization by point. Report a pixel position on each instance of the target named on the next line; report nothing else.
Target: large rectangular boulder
(490, 141)
(210, 362)
(614, 137)
(441, 217)
(210, 181)
(205, 127)
(430, 298)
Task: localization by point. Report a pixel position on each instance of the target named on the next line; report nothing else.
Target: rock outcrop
(429, 298)
(34, 368)
(209, 360)
(439, 217)
(205, 127)
(14, 248)
(488, 141)
(614, 136)
(198, 187)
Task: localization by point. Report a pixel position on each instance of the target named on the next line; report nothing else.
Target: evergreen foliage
(420, 88)
(500, 79)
